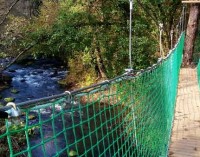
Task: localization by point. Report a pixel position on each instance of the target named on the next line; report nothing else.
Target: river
(34, 81)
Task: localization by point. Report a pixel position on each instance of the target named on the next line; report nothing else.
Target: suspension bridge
(147, 113)
(130, 115)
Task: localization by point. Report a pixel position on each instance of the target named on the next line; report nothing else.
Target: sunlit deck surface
(185, 140)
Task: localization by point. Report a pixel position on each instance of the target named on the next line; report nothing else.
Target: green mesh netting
(128, 116)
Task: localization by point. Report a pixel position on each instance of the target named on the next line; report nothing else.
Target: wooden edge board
(197, 1)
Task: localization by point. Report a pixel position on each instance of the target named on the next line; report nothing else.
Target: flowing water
(34, 81)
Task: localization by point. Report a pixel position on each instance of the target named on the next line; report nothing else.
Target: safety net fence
(130, 115)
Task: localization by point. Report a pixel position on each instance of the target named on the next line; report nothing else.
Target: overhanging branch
(16, 58)
(6, 14)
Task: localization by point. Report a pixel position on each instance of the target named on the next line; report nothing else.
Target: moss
(1, 105)
(73, 153)
(31, 117)
(9, 99)
(14, 91)
(3, 55)
(62, 83)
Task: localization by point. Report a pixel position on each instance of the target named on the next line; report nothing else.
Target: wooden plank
(185, 139)
(197, 1)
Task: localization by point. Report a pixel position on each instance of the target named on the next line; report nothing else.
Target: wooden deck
(185, 140)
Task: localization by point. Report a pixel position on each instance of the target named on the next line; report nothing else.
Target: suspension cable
(181, 24)
(184, 18)
(130, 35)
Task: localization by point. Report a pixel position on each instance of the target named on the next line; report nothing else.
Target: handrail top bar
(35, 101)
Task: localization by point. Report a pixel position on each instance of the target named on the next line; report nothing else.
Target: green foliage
(82, 72)
(87, 58)
(95, 25)
(98, 31)
(167, 12)
(14, 91)
(145, 45)
(9, 99)
(72, 153)
(12, 38)
(3, 55)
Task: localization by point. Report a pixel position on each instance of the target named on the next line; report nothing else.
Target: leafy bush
(82, 72)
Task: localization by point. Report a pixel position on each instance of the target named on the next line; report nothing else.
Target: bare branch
(16, 58)
(5, 16)
(147, 12)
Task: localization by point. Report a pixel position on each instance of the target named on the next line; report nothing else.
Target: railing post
(183, 18)
(131, 68)
(130, 35)
(161, 32)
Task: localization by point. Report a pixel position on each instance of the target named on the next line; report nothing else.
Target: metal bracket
(14, 111)
(68, 92)
(129, 71)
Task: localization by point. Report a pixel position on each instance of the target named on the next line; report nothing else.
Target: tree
(166, 12)
(101, 27)
(12, 22)
(191, 33)
(94, 33)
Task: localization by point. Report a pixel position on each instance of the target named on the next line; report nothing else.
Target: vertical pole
(184, 18)
(177, 32)
(180, 29)
(171, 35)
(161, 30)
(131, 66)
(130, 35)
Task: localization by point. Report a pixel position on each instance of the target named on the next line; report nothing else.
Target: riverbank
(5, 81)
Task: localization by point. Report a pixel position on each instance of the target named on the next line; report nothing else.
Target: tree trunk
(100, 68)
(100, 65)
(191, 33)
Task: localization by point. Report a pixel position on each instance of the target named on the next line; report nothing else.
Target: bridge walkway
(185, 140)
